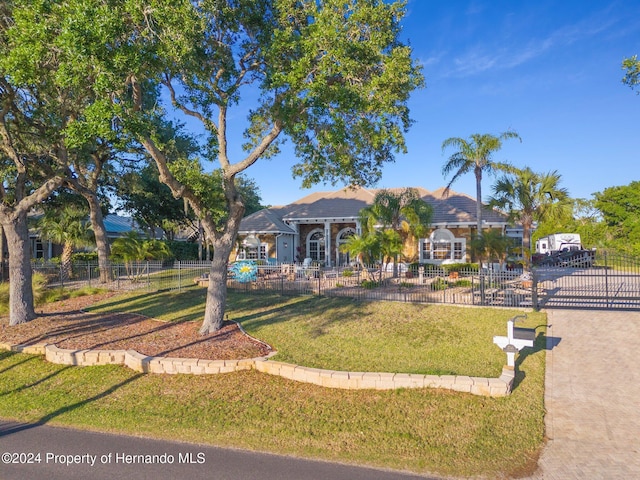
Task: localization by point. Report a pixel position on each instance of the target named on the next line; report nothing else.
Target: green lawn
(424, 430)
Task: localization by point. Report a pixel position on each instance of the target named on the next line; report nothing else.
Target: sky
(549, 70)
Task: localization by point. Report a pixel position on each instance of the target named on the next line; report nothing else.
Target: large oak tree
(330, 76)
(333, 78)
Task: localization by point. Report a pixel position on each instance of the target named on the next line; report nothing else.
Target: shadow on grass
(36, 383)
(154, 304)
(324, 311)
(5, 355)
(8, 429)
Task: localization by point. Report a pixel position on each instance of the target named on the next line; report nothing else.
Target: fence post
(179, 276)
(606, 280)
(534, 290)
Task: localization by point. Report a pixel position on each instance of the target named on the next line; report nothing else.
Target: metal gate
(611, 282)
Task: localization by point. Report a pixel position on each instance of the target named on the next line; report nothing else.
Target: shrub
(39, 283)
(347, 273)
(439, 284)
(182, 250)
(369, 284)
(85, 257)
(460, 267)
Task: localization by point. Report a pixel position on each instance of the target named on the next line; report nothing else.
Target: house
(317, 225)
(115, 225)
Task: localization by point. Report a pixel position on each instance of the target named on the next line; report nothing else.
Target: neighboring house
(115, 225)
(315, 226)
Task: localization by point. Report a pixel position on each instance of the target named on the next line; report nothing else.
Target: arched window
(315, 245)
(343, 237)
(443, 247)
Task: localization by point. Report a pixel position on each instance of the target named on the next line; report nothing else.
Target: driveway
(592, 396)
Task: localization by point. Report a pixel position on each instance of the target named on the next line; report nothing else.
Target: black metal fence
(432, 285)
(611, 281)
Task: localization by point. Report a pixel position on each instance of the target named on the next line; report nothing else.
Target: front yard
(424, 430)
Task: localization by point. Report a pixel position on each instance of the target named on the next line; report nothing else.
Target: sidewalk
(592, 396)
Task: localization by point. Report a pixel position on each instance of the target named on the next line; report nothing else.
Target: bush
(61, 293)
(89, 257)
(39, 283)
(369, 284)
(443, 269)
(183, 250)
(460, 267)
(347, 273)
(439, 284)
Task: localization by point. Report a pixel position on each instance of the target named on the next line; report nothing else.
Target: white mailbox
(516, 339)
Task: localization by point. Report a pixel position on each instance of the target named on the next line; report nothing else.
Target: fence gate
(611, 282)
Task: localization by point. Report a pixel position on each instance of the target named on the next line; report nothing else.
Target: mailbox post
(516, 339)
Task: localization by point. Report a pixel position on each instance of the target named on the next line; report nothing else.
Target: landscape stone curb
(492, 387)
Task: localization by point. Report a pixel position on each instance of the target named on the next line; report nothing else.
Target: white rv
(558, 242)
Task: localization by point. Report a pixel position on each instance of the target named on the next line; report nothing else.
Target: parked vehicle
(558, 242)
(566, 258)
(562, 250)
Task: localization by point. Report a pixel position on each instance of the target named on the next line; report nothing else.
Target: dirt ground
(67, 326)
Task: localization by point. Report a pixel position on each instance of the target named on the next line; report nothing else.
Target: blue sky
(550, 70)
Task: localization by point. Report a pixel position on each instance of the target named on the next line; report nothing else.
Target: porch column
(295, 242)
(327, 243)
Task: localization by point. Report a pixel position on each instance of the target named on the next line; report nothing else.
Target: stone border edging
(491, 387)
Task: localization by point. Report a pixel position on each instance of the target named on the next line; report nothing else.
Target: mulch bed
(65, 325)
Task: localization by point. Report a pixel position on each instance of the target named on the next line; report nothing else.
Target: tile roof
(268, 220)
(454, 208)
(117, 224)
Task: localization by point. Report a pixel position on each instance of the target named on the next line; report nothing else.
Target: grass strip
(426, 431)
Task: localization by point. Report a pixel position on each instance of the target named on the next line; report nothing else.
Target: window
(259, 252)
(442, 247)
(458, 251)
(315, 245)
(342, 238)
(37, 248)
(425, 252)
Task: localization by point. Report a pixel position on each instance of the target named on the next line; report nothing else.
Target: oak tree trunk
(217, 290)
(102, 242)
(21, 307)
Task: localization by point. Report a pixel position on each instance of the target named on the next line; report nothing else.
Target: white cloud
(511, 53)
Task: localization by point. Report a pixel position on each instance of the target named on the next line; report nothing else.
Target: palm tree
(403, 212)
(362, 248)
(133, 249)
(69, 227)
(530, 197)
(493, 245)
(475, 155)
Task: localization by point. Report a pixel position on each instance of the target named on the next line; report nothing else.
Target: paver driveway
(592, 396)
